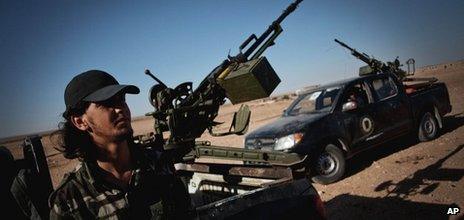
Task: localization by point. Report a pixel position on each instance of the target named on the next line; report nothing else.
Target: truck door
(390, 108)
(361, 123)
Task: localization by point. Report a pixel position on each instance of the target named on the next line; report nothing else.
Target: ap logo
(452, 211)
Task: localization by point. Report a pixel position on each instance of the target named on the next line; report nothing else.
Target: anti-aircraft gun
(375, 66)
(188, 113)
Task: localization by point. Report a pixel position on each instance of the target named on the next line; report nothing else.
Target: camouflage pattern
(153, 193)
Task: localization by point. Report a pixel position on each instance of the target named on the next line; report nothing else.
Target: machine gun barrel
(344, 45)
(154, 77)
(274, 27)
(364, 57)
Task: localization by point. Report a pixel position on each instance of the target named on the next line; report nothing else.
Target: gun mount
(187, 113)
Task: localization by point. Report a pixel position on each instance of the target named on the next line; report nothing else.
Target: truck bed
(432, 96)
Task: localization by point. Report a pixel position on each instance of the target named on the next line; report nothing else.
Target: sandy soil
(400, 179)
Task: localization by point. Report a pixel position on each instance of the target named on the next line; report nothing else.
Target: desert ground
(400, 179)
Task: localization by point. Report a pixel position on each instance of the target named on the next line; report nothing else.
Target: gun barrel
(362, 56)
(147, 71)
(344, 45)
(287, 11)
(274, 27)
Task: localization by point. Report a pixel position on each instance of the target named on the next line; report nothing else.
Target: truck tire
(329, 165)
(428, 127)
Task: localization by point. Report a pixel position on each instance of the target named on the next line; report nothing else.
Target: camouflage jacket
(153, 193)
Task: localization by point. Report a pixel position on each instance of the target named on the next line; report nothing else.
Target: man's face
(352, 97)
(109, 119)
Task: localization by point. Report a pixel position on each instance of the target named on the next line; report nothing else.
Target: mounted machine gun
(187, 113)
(375, 66)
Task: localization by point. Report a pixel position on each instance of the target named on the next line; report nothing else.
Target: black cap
(94, 86)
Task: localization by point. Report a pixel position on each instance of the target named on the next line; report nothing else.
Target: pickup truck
(331, 123)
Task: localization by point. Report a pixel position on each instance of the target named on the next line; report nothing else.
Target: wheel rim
(326, 164)
(429, 125)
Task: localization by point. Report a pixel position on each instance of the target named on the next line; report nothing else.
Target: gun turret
(187, 113)
(376, 66)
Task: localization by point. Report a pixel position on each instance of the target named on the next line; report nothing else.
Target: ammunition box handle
(247, 41)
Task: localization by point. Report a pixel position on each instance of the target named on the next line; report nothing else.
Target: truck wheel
(428, 127)
(329, 165)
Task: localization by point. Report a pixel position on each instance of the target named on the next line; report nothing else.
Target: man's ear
(79, 122)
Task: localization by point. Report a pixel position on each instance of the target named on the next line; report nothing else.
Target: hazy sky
(43, 44)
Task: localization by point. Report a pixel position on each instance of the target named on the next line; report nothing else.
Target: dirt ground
(401, 179)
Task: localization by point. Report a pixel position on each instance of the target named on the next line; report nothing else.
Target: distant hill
(23, 136)
(448, 66)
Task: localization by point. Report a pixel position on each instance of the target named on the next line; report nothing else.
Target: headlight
(288, 141)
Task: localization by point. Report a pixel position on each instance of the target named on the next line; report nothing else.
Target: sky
(44, 44)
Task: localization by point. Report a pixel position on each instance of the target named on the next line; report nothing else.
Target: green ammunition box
(251, 80)
(365, 70)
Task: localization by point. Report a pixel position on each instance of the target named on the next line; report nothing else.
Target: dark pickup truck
(334, 122)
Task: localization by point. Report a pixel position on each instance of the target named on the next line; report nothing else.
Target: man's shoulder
(68, 187)
(69, 197)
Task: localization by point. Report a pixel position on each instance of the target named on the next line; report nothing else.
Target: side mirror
(239, 124)
(348, 106)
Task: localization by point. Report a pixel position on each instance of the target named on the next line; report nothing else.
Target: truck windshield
(315, 101)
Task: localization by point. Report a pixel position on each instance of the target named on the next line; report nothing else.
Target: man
(356, 95)
(116, 179)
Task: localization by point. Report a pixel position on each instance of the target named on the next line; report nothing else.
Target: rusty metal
(274, 158)
(238, 170)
